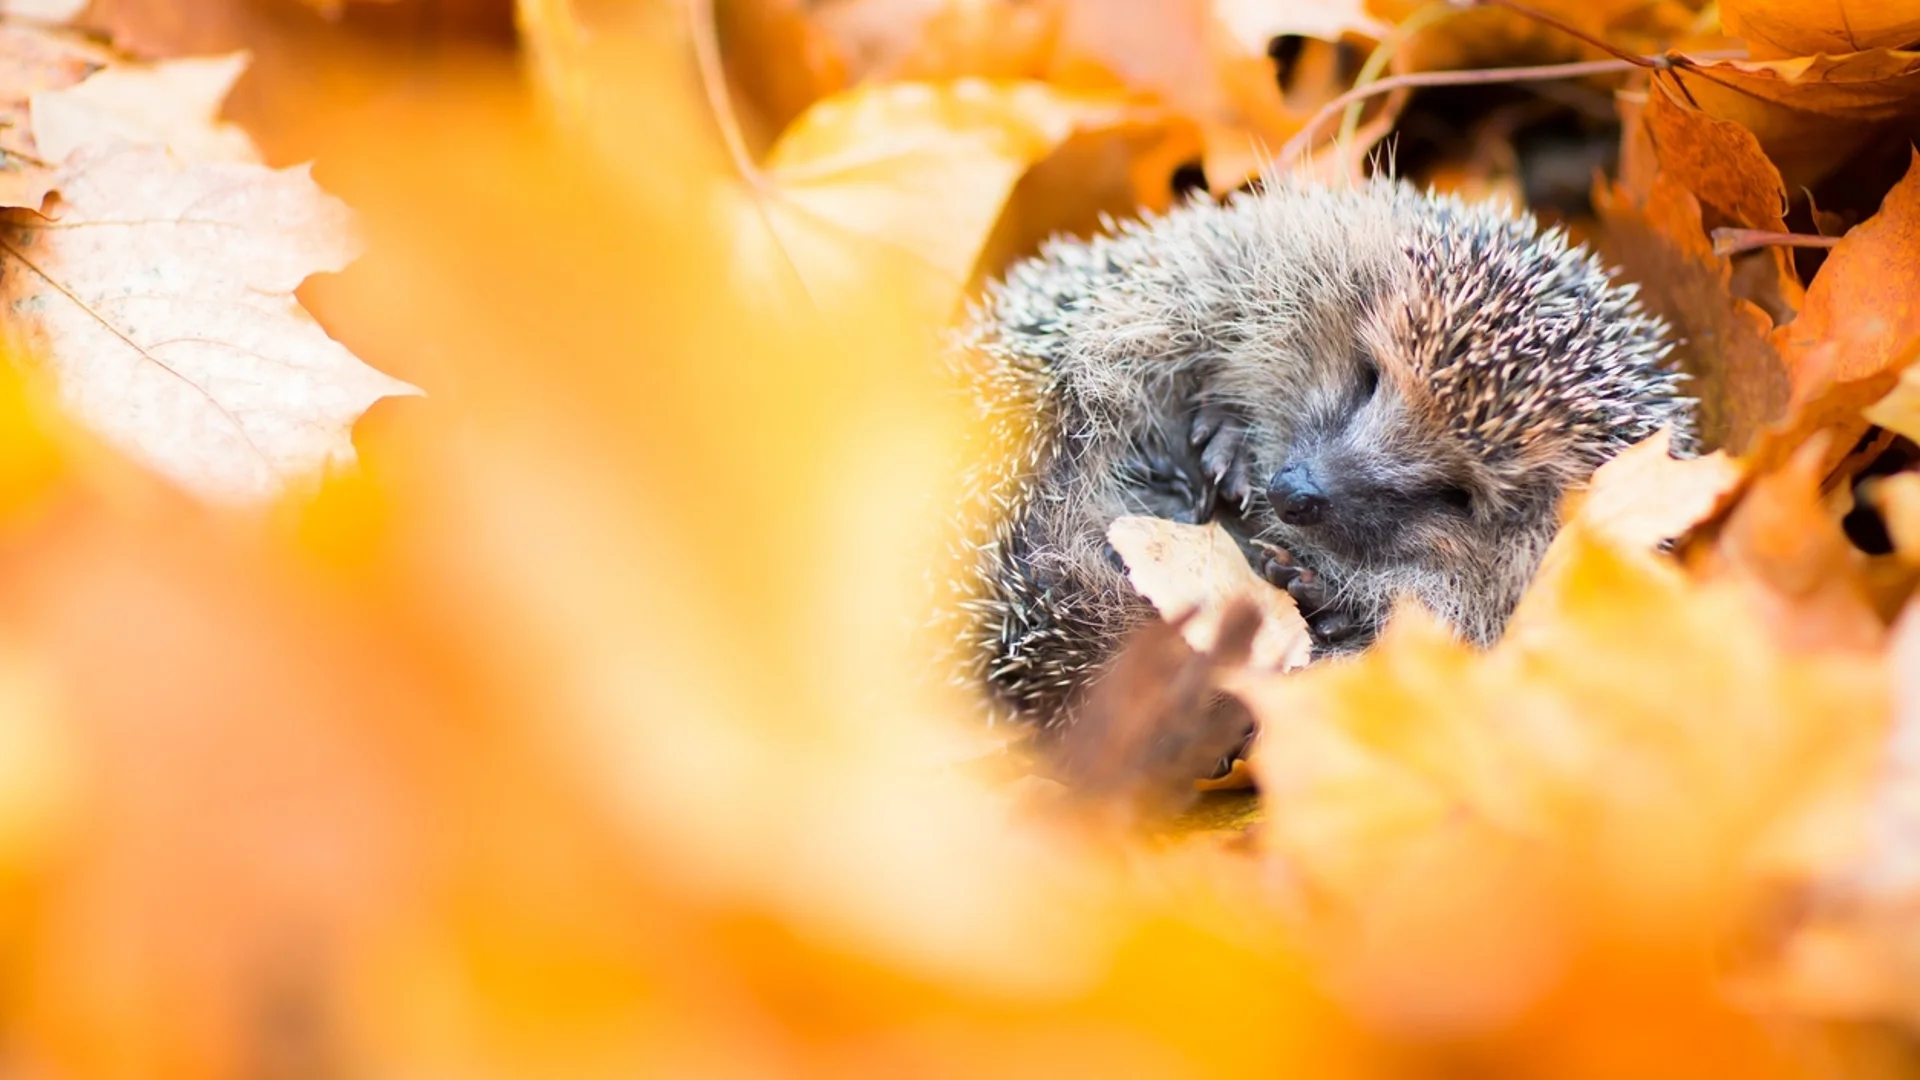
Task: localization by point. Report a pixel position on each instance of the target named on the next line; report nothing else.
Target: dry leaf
(1785, 28)
(1860, 327)
(160, 300)
(1634, 503)
(1198, 571)
(1810, 113)
(1718, 160)
(34, 60)
(908, 175)
(175, 104)
(1659, 242)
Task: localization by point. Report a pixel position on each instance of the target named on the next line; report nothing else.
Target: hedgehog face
(1375, 477)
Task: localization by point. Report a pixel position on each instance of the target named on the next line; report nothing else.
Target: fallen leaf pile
(570, 716)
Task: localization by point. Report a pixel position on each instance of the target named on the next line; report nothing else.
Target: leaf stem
(1737, 241)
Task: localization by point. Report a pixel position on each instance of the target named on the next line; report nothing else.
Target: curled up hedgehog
(1379, 393)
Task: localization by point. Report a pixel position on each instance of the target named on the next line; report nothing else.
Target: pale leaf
(1198, 569)
(175, 104)
(160, 301)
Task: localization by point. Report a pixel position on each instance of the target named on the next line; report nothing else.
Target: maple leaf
(175, 104)
(160, 300)
(33, 60)
(1602, 814)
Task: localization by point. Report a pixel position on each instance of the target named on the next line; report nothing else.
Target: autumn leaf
(1810, 113)
(1860, 327)
(1783, 28)
(160, 301)
(1532, 776)
(35, 60)
(1723, 344)
(925, 205)
(175, 104)
(1194, 573)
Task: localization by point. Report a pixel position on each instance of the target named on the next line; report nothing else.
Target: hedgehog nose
(1296, 496)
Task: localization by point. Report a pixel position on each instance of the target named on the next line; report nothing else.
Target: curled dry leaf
(1736, 374)
(1198, 571)
(1785, 28)
(1718, 160)
(161, 302)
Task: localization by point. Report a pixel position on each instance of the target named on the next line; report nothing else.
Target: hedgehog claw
(1275, 564)
(1221, 438)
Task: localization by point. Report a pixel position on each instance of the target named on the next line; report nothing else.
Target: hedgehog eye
(1369, 380)
(1457, 498)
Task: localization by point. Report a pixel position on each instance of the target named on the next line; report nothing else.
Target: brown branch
(1476, 77)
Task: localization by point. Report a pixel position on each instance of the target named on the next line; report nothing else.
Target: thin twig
(1568, 29)
(1736, 241)
(1477, 77)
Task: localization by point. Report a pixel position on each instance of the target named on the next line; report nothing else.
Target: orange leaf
(1860, 327)
(1782, 28)
(1738, 378)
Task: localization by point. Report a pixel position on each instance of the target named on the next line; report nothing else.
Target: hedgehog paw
(1333, 627)
(1221, 437)
(1171, 489)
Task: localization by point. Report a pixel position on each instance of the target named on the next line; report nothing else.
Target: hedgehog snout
(1297, 494)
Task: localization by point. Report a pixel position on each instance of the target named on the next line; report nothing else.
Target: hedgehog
(1381, 394)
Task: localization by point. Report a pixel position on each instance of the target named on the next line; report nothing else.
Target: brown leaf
(1810, 113)
(1194, 574)
(1860, 327)
(1738, 378)
(1718, 160)
(1784, 28)
(160, 302)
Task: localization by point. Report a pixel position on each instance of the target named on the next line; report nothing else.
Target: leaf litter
(633, 620)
